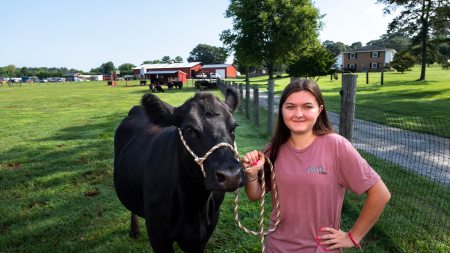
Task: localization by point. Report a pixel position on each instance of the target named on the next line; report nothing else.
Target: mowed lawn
(56, 164)
(56, 148)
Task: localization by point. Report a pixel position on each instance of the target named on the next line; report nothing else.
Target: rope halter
(200, 160)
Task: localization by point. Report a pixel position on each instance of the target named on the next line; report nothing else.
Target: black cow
(157, 178)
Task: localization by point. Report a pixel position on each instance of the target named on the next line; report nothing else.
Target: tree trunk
(247, 69)
(270, 70)
(424, 19)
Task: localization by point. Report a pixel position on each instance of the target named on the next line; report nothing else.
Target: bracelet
(248, 181)
(355, 242)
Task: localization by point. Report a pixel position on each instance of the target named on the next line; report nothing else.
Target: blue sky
(83, 34)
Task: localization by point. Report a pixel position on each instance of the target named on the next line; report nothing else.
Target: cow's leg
(134, 226)
(159, 239)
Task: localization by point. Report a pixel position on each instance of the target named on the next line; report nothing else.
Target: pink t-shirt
(311, 188)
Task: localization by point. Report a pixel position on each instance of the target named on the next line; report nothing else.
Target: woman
(314, 167)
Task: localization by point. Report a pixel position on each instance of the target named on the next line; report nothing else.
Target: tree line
(206, 54)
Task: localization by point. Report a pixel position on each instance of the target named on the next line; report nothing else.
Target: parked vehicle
(215, 75)
(201, 75)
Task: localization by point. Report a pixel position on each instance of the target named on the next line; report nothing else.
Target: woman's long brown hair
(282, 132)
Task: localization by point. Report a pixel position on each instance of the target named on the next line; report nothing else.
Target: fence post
(367, 76)
(256, 104)
(247, 99)
(270, 105)
(348, 98)
(382, 75)
(241, 97)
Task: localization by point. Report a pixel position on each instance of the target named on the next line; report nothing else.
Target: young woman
(313, 167)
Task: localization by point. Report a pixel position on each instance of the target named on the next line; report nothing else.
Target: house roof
(210, 66)
(168, 65)
(157, 72)
(369, 49)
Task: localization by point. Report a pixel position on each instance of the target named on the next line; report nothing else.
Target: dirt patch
(14, 165)
(92, 193)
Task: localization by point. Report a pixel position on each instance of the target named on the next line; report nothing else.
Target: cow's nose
(228, 178)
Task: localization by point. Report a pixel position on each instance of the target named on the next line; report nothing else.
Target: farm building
(188, 70)
(224, 70)
(165, 76)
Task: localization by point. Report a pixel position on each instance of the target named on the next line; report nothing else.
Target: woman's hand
(336, 239)
(253, 161)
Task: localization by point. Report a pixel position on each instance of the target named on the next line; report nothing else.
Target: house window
(374, 65)
(374, 54)
(351, 66)
(352, 55)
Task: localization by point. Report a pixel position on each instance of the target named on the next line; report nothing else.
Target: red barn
(224, 70)
(182, 70)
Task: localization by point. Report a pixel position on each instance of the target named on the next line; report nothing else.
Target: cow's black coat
(156, 178)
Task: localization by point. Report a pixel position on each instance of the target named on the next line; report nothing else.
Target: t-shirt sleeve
(354, 171)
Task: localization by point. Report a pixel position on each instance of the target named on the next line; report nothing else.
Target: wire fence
(411, 153)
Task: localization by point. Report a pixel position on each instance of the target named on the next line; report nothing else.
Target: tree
(312, 63)
(335, 48)
(10, 70)
(208, 54)
(126, 69)
(271, 32)
(107, 68)
(398, 41)
(178, 59)
(421, 19)
(166, 59)
(403, 61)
(356, 45)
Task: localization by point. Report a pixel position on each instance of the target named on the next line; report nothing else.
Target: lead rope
(262, 232)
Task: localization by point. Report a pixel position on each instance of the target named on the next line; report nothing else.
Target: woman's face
(300, 112)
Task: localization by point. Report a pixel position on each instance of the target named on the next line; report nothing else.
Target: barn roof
(168, 65)
(210, 66)
(157, 72)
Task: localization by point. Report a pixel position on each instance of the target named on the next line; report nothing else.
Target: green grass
(57, 194)
(401, 95)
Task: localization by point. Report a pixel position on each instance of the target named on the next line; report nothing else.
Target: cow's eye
(190, 131)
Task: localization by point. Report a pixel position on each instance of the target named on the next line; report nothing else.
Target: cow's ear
(158, 111)
(232, 98)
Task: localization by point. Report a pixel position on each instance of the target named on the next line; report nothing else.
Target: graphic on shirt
(317, 170)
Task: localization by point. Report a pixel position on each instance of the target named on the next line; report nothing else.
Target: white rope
(200, 160)
(261, 231)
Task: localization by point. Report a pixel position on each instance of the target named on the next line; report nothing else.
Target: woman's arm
(377, 197)
(253, 161)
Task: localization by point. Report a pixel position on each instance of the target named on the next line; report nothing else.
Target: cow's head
(204, 121)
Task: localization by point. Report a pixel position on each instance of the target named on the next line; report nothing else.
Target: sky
(84, 34)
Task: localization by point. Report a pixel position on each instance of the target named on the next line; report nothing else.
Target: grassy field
(56, 161)
(400, 92)
(413, 105)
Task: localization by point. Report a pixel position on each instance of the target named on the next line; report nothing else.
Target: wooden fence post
(382, 75)
(256, 104)
(241, 97)
(367, 76)
(247, 100)
(270, 105)
(348, 98)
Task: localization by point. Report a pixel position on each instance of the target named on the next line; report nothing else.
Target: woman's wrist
(355, 242)
(251, 179)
